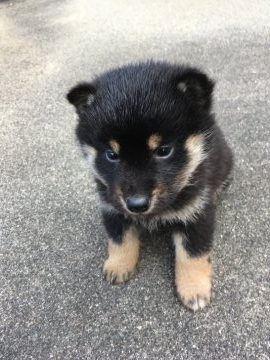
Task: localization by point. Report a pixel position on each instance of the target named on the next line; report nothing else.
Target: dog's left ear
(196, 86)
(81, 95)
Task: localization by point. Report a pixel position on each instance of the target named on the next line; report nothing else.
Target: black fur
(115, 225)
(130, 104)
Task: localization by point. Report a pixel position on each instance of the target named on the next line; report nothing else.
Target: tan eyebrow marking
(154, 141)
(115, 146)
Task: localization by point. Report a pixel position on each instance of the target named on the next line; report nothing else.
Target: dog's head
(143, 128)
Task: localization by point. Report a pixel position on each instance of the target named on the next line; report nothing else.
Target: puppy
(159, 161)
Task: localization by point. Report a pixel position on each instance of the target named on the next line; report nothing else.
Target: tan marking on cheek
(154, 141)
(115, 146)
(158, 191)
(120, 197)
(190, 211)
(91, 154)
(123, 258)
(118, 191)
(196, 155)
(119, 194)
(158, 194)
(192, 277)
(195, 147)
(89, 150)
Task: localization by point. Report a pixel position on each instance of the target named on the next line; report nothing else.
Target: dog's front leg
(123, 249)
(193, 268)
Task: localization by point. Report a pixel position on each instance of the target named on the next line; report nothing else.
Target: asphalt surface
(54, 302)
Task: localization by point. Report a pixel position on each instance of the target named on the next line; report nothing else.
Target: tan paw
(117, 273)
(192, 277)
(195, 297)
(123, 258)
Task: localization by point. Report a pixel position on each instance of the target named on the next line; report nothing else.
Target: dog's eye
(164, 151)
(111, 155)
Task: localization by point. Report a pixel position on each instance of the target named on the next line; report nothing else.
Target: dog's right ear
(82, 94)
(196, 86)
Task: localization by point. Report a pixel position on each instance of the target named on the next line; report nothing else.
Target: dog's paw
(195, 302)
(193, 277)
(116, 273)
(123, 258)
(196, 295)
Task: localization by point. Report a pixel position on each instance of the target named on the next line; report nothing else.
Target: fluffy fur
(159, 160)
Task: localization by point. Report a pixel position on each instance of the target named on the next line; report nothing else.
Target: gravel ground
(54, 303)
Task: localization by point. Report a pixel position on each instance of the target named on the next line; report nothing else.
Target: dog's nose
(137, 203)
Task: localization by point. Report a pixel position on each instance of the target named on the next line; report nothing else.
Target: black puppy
(159, 160)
